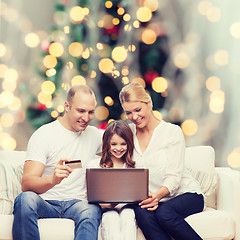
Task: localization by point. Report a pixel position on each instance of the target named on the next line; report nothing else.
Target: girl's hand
(108, 205)
(151, 203)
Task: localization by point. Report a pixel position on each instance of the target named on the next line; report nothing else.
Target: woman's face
(118, 146)
(138, 112)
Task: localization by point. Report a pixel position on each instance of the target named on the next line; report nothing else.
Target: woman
(118, 220)
(160, 147)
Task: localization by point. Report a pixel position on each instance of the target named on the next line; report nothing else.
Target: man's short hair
(78, 88)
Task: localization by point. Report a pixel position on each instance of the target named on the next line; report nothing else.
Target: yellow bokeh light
(32, 40)
(221, 57)
(75, 49)
(49, 61)
(43, 97)
(11, 74)
(189, 127)
(15, 105)
(144, 14)
(157, 115)
(6, 97)
(93, 74)
(86, 11)
(234, 158)
(107, 21)
(159, 84)
(119, 54)
(217, 101)
(125, 70)
(182, 60)
(106, 65)
(56, 49)
(78, 80)
(121, 11)
(9, 144)
(77, 14)
(151, 4)
(140, 81)
(3, 69)
(51, 72)
(66, 29)
(9, 85)
(60, 108)
(204, 7)
(108, 4)
(149, 36)
(86, 54)
(214, 14)
(54, 114)
(48, 87)
(136, 24)
(49, 104)
(125, 80)
(213, 83)
(235, 30)
(109, 101)
(127, 17)
(101, 113)
(7, 120)
(131, 48)
(115, 21)
(3, 50)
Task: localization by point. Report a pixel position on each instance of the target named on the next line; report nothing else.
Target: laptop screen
(113, 185)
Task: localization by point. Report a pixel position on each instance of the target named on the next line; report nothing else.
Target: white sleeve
(175, 160)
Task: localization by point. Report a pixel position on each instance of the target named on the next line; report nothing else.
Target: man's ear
(67, 106)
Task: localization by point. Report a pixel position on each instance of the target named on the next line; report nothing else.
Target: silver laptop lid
(111, 185)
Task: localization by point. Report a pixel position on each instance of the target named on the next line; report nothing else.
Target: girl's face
(138, 112)
(118, 147)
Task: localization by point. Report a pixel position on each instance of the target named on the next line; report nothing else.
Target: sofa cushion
(200, 162)
(220, 225)
(11, 168)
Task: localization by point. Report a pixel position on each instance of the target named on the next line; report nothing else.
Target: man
(52, 189)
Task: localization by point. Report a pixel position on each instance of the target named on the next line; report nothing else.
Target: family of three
(52, 189)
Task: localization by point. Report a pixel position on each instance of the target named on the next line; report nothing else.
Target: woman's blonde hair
(134, 92)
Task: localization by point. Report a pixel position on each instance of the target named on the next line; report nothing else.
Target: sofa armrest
(228, 194)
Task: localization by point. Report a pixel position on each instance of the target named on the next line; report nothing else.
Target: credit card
(74, 164)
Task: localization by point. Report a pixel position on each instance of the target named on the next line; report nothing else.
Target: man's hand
(151, 203)
(61, 171)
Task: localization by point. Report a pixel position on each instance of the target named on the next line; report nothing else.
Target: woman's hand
(151, 203)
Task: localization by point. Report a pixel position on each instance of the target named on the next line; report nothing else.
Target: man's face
(80, 111)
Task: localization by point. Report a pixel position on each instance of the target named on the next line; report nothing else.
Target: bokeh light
(189, 127)
(78, 80)
(56, 49)
(144, 14)
(159, 84)
(48, 87)
(119, 54)
(49, 61)
(106, 65)
(101, 113)
(234, 158)
(32, 40)
(77, 14)
(149, 36)
(75, 49)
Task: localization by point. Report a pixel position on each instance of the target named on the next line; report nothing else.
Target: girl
(118, 221)
(160, 147)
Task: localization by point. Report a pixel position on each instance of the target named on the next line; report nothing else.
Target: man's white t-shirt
(53, 142)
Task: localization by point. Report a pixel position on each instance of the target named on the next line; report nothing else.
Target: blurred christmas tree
(105, 44)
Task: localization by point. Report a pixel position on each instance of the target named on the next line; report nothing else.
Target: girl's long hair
(122, 129)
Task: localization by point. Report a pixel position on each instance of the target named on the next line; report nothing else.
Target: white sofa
(219, 221)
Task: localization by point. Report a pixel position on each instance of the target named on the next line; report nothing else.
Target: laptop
(117, 185)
